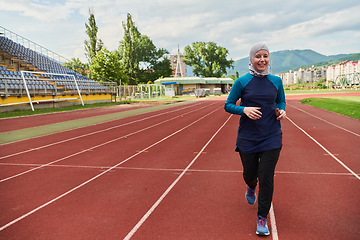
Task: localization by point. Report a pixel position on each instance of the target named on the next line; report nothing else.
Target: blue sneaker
(250, 195)
(262, 228)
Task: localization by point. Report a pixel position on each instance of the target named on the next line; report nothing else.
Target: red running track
(173, 174)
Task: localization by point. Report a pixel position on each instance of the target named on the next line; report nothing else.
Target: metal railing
(347, 79)
(32, 45)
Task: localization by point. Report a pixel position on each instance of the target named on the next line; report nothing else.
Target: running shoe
(262, 228)
(250, 195)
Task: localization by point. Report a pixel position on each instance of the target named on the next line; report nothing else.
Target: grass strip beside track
(319, 91)
(21, 113)
(348, 106)
(22, 134)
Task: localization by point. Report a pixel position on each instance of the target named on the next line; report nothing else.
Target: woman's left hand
(280, 114)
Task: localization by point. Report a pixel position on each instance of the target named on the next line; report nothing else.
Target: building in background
(346, 67)
(310, 75)
(345, 73)
(188, 85)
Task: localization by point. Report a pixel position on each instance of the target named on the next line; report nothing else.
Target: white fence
(141, 91)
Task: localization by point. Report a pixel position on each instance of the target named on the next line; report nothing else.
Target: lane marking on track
(168, 169)
(104, 172)
(358, 135)
(274, 232)
(90, 149)
(151, 210)
(313, 173)
(122, 168)
(332, 155)
(99, 131)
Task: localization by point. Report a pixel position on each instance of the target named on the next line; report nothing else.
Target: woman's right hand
(252, 112)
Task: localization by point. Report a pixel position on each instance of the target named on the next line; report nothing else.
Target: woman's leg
(266, 170)
(250, 166)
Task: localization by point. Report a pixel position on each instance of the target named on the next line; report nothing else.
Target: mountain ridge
(285, 60)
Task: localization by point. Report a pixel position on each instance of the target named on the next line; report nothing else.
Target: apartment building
(288, 78)
(313, 75)
(303, 75)
(346, 67)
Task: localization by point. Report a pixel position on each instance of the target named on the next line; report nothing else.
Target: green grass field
(348, 106)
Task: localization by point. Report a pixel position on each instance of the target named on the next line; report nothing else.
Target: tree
(207, 59)
(108, 65)
(143, 62)
(77, 66)
(94, 45)
(128, 49)
(154, 62)
(160, 68)
(233, 77)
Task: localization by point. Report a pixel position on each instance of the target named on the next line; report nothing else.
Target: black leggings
(261, 165)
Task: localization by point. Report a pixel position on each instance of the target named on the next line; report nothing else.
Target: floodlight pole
(178, 63)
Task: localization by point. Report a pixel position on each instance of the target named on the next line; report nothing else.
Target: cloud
(338, 22)
(233, 24)
(325, 30)
(238, 25)
(44, 11)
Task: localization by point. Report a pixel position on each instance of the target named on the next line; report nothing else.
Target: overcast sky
(325, 26)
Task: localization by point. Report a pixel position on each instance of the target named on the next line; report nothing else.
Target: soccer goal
(25, 82)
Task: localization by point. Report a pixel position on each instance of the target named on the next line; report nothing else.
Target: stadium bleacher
(22, 58)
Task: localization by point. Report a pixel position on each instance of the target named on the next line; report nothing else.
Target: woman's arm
(280, 102)
(280, 98)
(234, 96)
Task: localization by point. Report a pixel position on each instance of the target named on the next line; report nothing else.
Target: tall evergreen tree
(129, 49)
(143, 62)
(93, 45)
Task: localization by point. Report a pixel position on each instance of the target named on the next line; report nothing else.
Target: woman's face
(261, 60)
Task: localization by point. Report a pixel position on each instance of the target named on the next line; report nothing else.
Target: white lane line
(102, 173)
(143, 219)
(92, 133)
(313, 173)
(341, 163)
(274, 232)
(169, 169)
(358, 135)
(124, 168)
(94, 147)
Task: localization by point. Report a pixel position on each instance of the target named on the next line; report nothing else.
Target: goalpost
(58, 74)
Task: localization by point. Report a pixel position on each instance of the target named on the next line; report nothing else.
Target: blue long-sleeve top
(267, 93)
